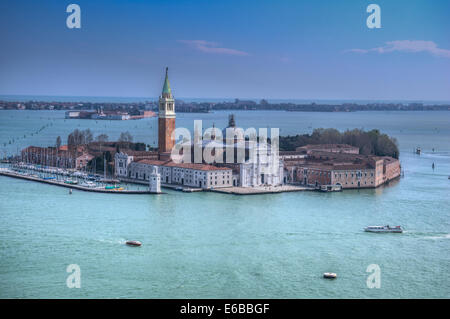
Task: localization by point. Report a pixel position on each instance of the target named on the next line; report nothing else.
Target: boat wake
(445, 236)
(120, 241)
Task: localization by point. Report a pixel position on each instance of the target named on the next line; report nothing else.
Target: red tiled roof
(200, 167)
(152, 162)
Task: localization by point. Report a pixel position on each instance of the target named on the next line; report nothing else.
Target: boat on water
(71, 182)
(114, 188)
(133, 243)
(88, 184)
(330, 275)
(384, 229)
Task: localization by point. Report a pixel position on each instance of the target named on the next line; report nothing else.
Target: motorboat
(88, 184)
(384, 229)
(70, 181)
(133, 243)
(114, 188)
(329, 275)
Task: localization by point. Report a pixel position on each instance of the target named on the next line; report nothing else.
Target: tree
(369, 143)
(88, 136)
(125, 137)
(58, 142)
(102, 138)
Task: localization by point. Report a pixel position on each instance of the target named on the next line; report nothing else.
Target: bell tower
(166, 120)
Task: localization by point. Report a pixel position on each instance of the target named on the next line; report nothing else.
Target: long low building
(185, 174)
(346, 170)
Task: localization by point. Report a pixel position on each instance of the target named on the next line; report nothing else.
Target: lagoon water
(209, 245)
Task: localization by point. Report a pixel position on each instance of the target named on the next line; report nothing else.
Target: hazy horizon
(141, 99)
(273, 50)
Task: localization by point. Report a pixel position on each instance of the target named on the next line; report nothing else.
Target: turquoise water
(208, 245)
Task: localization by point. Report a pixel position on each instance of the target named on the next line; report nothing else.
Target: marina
(73, 184)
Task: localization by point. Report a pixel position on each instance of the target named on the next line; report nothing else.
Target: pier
(72, 186)
(262, 190)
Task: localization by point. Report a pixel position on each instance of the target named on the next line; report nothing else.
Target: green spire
(166, 88)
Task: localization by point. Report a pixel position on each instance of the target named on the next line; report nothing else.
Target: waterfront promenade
(262, 189)
(228, 190)
(77, 187)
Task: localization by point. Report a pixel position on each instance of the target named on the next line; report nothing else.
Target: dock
(262, 190)
(177, 187)
(227, 190)
(72, 186)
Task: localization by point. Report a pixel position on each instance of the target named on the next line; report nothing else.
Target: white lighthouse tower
(155, 181)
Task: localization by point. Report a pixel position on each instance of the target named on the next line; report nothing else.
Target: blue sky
(227, 49)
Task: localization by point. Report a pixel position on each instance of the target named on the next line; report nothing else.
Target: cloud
(211, 47)
(411, 46)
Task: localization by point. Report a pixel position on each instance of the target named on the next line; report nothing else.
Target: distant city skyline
(283, 50)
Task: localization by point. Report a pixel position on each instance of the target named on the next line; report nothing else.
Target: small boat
(133, 243)
(330, 275)
(88, 184)
(115, 187)
(71, 182)
(384, 229)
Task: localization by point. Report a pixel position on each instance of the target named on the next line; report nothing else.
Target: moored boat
(114, 188)
(88, 184)
(384, 229)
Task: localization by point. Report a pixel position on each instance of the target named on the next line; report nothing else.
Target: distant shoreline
(136, 108)
(140, 99)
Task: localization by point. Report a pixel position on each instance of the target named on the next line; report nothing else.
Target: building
(347, 170)
(61, 157)
(266, 168)
(123, 159)
(183, 174)
(155, 181)
(166, 120)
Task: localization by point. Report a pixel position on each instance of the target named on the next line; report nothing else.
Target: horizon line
(150, 99)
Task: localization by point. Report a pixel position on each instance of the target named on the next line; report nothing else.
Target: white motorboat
(88, 184)
(384, 229)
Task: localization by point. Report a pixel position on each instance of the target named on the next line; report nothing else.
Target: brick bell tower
(166, 121)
